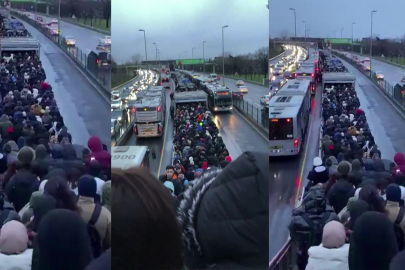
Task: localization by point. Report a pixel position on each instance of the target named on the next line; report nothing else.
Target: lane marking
(257, 104)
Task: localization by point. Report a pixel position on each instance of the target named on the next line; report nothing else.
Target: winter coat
(20, 187)
(99, 154)
(399, 159)
(321, 258)
(339, 194)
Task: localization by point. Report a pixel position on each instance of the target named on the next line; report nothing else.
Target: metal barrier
(396, 95)
(100, 75)
(259, 115)
(123, 129)
(286, 258)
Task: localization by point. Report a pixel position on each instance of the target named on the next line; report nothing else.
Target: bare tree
(262, 56)
(136, 58)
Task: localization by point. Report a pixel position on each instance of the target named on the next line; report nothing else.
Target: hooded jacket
(399, 159)
(339, 194)
(5, 123)
(321, 258)
(220, 208)
(99, 154)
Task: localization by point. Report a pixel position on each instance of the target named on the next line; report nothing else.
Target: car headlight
(119, 118)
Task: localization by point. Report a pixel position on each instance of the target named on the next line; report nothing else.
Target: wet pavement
(84, 110)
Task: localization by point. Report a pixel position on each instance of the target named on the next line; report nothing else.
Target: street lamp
(352, 34)
(156, 51)
(305, 30)
(371, 37)
(192, 55)
(203, 57)
(146, 53)
(295, 21)
(223, 54)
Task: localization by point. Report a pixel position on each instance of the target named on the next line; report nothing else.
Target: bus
(149, 114)
(165, 82)
(289, 112)
(219, 97)
(126, 157)
(213, 76)
(306, 72)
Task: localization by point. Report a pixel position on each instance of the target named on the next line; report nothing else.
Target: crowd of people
(352, 213)
(55, 200)
(197, 146)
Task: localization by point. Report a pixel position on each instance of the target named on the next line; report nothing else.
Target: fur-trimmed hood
(224, 216)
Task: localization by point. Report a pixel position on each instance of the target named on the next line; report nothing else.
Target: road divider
(99, 76)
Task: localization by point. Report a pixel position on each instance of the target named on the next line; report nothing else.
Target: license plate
(278, 147)
(147, 130)
(304, 74)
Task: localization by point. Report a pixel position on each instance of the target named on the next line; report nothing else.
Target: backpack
(399, 233)
(93, 233)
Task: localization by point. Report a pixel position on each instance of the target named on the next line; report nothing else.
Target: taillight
(312, 75)
(97, 61)
(159, 109)
(134, 110)
(296, 143)
(161, 83)
(160, 129)
(169, 83)
(135, 130)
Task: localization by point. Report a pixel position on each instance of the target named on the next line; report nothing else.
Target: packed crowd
(352, 214)
(49, 193)
(215, 214)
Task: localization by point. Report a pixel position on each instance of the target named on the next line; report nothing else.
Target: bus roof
(125, 157)
(338, 77)
(155, 88)
(308, 70)
(297, 87)
(19, 44)
(192, 96)
(285, 106)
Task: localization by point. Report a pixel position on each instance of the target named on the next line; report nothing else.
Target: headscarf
(334, 235)
(373, 242)
(13, 238)
(43, 204)
(63, 241)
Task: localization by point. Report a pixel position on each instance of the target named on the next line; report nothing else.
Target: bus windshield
(223, 97)
(281, 129)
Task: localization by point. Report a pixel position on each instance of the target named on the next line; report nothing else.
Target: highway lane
(86, 39)
(287, 175)
(85, 110)
(392, 74)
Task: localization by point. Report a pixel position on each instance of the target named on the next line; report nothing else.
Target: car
(289, 75)
(104, 44)
(118, 114)
(240, 85)
(277, 71)
(265, 100)
(379, 75)
(115, 104)
(115, 127)
(237, 94)
(70, 41)
(115, 94)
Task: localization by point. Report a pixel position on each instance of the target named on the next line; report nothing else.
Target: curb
(71, 21)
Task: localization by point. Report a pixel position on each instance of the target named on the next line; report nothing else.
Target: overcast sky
(179, 25)
(326, 18)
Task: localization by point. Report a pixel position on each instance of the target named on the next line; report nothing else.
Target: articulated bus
(219, 97)
(289, 112)
(150, 114)
(126, 157)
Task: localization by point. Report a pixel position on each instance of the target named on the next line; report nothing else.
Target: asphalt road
(392, 74)
(84, 110)
(86, 39)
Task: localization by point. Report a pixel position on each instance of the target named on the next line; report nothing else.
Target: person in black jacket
(24, 182)
(319, 173)
(220, 208)
(342, 190)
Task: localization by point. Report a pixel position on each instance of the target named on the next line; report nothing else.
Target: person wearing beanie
(393, 208)
(170, 187)
(319, 173)
(333, 253)
(204, 166)
(87, 189)
(340, 193)
(228, 158)
(23, 183)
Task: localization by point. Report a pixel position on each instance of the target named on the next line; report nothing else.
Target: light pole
(204, 57)
(305, 30)
(179, 60)
(186, 58)
(295, 21)
(192, 55)
(352, 34)
(371, 37)
(156, 51)
(223, 54)
(146, 53)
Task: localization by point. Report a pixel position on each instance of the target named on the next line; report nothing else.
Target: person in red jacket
(97, 153)
(399, 159)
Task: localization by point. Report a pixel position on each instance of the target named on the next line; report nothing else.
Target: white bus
(212, 76)
(126, 157)
(289, 112)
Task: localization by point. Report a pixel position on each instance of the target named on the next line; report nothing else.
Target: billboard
(339, 40)
(190, 61)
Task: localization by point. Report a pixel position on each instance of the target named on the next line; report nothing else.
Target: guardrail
(101, 76)
(396, 94)
(259, 116)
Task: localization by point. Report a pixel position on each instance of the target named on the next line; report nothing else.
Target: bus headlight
(216, 109)
(231, 108)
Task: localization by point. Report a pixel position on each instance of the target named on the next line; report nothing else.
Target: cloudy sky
(326, 18)
(179, 25)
